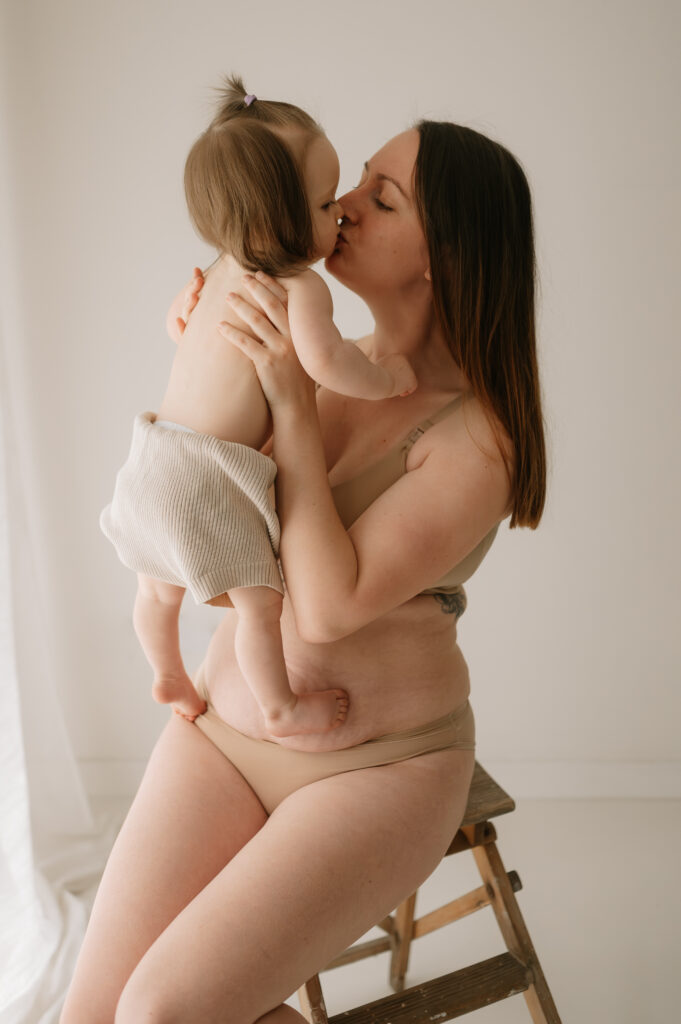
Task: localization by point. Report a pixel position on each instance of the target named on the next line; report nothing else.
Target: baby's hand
(404, 378)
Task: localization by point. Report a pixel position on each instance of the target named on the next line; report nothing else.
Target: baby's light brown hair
(244, 187)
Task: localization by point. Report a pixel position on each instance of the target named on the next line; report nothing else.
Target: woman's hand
(271, 350)
(191, 297)
(183, 304)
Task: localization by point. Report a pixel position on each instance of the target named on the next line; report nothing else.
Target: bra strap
(441, 414)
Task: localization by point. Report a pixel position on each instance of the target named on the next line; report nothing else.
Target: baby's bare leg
(156, 618)
(259, 651)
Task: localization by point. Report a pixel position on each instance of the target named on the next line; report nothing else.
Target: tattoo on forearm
(452, 604)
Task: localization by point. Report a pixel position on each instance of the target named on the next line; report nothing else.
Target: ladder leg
(402, 936)
(311, 999)
(514, 930)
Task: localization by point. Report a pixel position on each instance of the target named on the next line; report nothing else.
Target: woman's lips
(340, 240)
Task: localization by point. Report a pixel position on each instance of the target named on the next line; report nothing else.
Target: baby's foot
(179, 691)
(311, 712)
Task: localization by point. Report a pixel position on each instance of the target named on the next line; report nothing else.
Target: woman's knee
(150, 1002)
(153, 994)
(157, 994)
(141, 1001)
(95, 1005)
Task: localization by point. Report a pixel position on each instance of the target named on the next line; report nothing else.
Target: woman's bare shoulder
(472, 428)
(470, 449)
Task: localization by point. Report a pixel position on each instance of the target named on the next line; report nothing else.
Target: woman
(209, 909)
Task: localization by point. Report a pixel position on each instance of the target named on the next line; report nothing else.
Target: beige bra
(352, 497)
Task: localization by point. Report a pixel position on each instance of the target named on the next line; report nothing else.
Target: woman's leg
(192, 813)
(334, 858)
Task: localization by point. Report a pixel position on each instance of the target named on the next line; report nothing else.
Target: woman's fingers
(260, 324)
(273, 285)
(197, 282)
(191, 295)
(281, 376)
(249, 346)
(269, 297)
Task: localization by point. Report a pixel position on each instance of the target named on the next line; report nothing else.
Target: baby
(191, 506)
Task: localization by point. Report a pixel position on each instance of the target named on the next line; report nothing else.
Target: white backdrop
(571, 632)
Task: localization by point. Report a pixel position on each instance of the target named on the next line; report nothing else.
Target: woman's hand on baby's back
(183, 304)
(191, 297)
(269, 345)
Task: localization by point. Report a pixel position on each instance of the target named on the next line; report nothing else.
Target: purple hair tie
(249, 99)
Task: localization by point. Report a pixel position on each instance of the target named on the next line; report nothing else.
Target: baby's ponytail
(232, 98)
(244, 186)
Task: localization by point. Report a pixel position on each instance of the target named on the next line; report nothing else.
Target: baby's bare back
(213, 387)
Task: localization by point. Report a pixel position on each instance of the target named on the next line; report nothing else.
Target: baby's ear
(427, 274)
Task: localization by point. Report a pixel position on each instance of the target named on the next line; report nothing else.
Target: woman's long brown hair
(475, 207)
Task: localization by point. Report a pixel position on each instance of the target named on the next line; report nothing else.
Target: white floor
(601, 898)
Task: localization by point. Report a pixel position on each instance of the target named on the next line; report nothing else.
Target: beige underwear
(274, 772)
(194, 510)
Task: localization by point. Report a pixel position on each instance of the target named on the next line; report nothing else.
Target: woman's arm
(456, 489)
(331, 361)
(411, 536)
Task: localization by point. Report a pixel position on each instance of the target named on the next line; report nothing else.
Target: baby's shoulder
(307, 282)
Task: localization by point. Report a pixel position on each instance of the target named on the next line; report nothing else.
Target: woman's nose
(348, 206)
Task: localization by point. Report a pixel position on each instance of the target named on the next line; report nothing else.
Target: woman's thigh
(334, 858)
(192, 813)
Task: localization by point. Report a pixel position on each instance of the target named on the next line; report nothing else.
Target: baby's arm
(334, 363)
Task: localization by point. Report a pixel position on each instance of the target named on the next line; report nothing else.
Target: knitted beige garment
(195, 511)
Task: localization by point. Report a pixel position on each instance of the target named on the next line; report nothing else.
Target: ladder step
(447, 997)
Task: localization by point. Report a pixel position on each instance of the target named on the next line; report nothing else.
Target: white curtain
(50, 854)
(27, 929)
(51, 850)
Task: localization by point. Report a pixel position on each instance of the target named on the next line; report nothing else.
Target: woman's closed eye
(379, 202)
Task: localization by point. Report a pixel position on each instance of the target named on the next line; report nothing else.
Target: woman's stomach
(401, 671)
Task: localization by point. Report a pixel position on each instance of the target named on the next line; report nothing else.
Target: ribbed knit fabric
(194, 510)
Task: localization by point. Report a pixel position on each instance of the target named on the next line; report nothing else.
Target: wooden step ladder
(452, 995)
